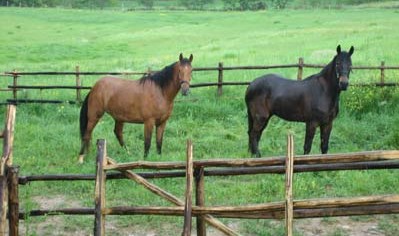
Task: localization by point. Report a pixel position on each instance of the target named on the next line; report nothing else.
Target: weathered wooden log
(13, 201)
(3, 203)
(19, 101)
(289, 174)
(99, 220)
(222, 172)
(200, 199)
(189, 190)
(262, 211)
(73, 73)
(385, 204)
(303, 159)
(41, 87)
(8, 139)
(62, 211)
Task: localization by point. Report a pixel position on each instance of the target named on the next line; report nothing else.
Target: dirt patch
(341, 225)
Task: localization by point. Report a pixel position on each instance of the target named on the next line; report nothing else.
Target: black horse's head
(343, 66)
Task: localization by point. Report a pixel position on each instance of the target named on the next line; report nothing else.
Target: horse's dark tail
(83, 116)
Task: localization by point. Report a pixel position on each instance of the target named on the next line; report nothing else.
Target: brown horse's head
(184, 74)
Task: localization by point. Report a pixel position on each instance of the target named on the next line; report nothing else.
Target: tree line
(232, 5)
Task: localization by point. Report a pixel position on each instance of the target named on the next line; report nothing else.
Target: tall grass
(47, 137)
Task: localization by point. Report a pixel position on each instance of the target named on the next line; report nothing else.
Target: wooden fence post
(289, 171)
(220, 79)
(99, 222)
(382, 72)
(8, 138)
(189, 190)
(78, 84)
(6, 160)
(200, 199)
(13, 200)
(3, 202)
(14, 83)
(300, 68)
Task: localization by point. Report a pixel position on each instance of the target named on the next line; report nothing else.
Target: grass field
(47, 137)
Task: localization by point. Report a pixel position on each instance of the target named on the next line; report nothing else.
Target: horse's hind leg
(256, 124)
(160, 130)
(148, 126)
(325, 131)
(118, 130)
(310, 132)
(87, 137)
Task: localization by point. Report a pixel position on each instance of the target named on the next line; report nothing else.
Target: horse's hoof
(80, 159)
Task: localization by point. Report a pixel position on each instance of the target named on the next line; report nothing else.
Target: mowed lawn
(47, 136)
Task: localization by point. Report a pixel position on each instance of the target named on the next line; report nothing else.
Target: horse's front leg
(160, 131)
(118, 130)
(310, 132)
(148, 126)
(325, 131)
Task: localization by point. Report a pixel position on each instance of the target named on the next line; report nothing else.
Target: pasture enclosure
(195, 173)
(18, 85)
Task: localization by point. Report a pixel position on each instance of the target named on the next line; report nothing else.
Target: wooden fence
(16, 86)
(195, 173)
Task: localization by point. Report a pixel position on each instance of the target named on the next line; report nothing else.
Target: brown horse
(147, 101)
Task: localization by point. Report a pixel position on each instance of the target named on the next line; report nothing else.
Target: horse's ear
(338, 49)
(191, 58)
(351, 50)
(181, 57)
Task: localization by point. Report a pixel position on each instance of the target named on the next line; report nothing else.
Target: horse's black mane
(165, 76)
(326, 69)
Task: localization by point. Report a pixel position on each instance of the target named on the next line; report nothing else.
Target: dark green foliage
(244, 5)
(279, 4)
(195, 4)
(148, 4)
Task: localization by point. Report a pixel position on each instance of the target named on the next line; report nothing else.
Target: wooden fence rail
(219, 83)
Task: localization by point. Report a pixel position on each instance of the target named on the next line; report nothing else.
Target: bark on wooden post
(220, 79)
(200, 199)
(189, 190)
(3, 202)
(13, 201)
(99, 222)
(14, 83)
(8, 138)
(78, 84)
(300, 68)
(289, 165)
(382, 72)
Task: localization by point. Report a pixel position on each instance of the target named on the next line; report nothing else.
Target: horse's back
(272, 94)
(267, 85)
(131, 101)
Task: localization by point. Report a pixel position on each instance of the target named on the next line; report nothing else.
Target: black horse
(314, 100)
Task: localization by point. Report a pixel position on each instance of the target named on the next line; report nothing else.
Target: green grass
(47, 137)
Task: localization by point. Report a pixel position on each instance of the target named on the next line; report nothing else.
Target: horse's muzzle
(185, 88)
(343, 83)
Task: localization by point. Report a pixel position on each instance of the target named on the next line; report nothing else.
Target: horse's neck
(329, 77)
(329, 74)
(172, 89)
